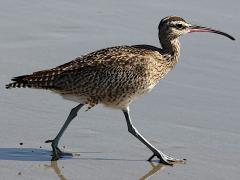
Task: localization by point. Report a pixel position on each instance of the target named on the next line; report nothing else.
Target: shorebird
(115, 77)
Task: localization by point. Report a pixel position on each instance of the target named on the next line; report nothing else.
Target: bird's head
(172, 27)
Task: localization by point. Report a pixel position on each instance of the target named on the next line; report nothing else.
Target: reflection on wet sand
(155, 168)
(56, 169)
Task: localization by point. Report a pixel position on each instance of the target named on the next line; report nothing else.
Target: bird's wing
(120, 57)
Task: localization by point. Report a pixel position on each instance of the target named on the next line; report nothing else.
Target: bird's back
(112, 76)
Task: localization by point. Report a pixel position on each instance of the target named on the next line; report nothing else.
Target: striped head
(172, 27)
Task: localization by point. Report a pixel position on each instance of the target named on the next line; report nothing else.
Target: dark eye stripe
(180, 26)
(176, 25)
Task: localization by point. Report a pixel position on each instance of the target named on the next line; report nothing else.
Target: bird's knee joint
(132, 130)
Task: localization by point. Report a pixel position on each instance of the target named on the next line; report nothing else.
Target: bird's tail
(32, 81)
(18, 82)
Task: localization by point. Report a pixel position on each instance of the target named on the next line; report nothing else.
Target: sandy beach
(193, 113)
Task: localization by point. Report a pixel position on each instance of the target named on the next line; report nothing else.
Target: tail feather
(45, 79)
(18, 82)
(19, 78)
(31, 81)
(16, 85)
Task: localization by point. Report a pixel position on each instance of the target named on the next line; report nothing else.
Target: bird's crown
(170, 20)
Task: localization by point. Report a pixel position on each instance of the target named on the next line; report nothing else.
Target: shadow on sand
(25, 154)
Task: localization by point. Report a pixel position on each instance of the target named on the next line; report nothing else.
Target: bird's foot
(165, 159)
(56, 152)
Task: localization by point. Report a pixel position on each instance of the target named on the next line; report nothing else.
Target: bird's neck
(171, 47)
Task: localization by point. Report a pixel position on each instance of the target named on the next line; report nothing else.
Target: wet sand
(193, 113)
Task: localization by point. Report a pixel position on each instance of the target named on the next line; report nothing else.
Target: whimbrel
(115, 77)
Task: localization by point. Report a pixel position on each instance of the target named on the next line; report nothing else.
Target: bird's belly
(123, 101)
(115, 100)
(116, 103)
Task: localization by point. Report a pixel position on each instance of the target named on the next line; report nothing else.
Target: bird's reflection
(56, 169)
(154, 169)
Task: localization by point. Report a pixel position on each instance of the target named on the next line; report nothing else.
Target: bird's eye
(179, 26)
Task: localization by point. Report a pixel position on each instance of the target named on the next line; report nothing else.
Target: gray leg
(56, 151)
(162, 157)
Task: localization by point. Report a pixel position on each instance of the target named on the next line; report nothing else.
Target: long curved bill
(195, 28)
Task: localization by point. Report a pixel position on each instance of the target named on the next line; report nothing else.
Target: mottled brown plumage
(112, 76)
(115, 76)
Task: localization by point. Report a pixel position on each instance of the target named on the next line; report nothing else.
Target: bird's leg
(162, 157)
(57, 153)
